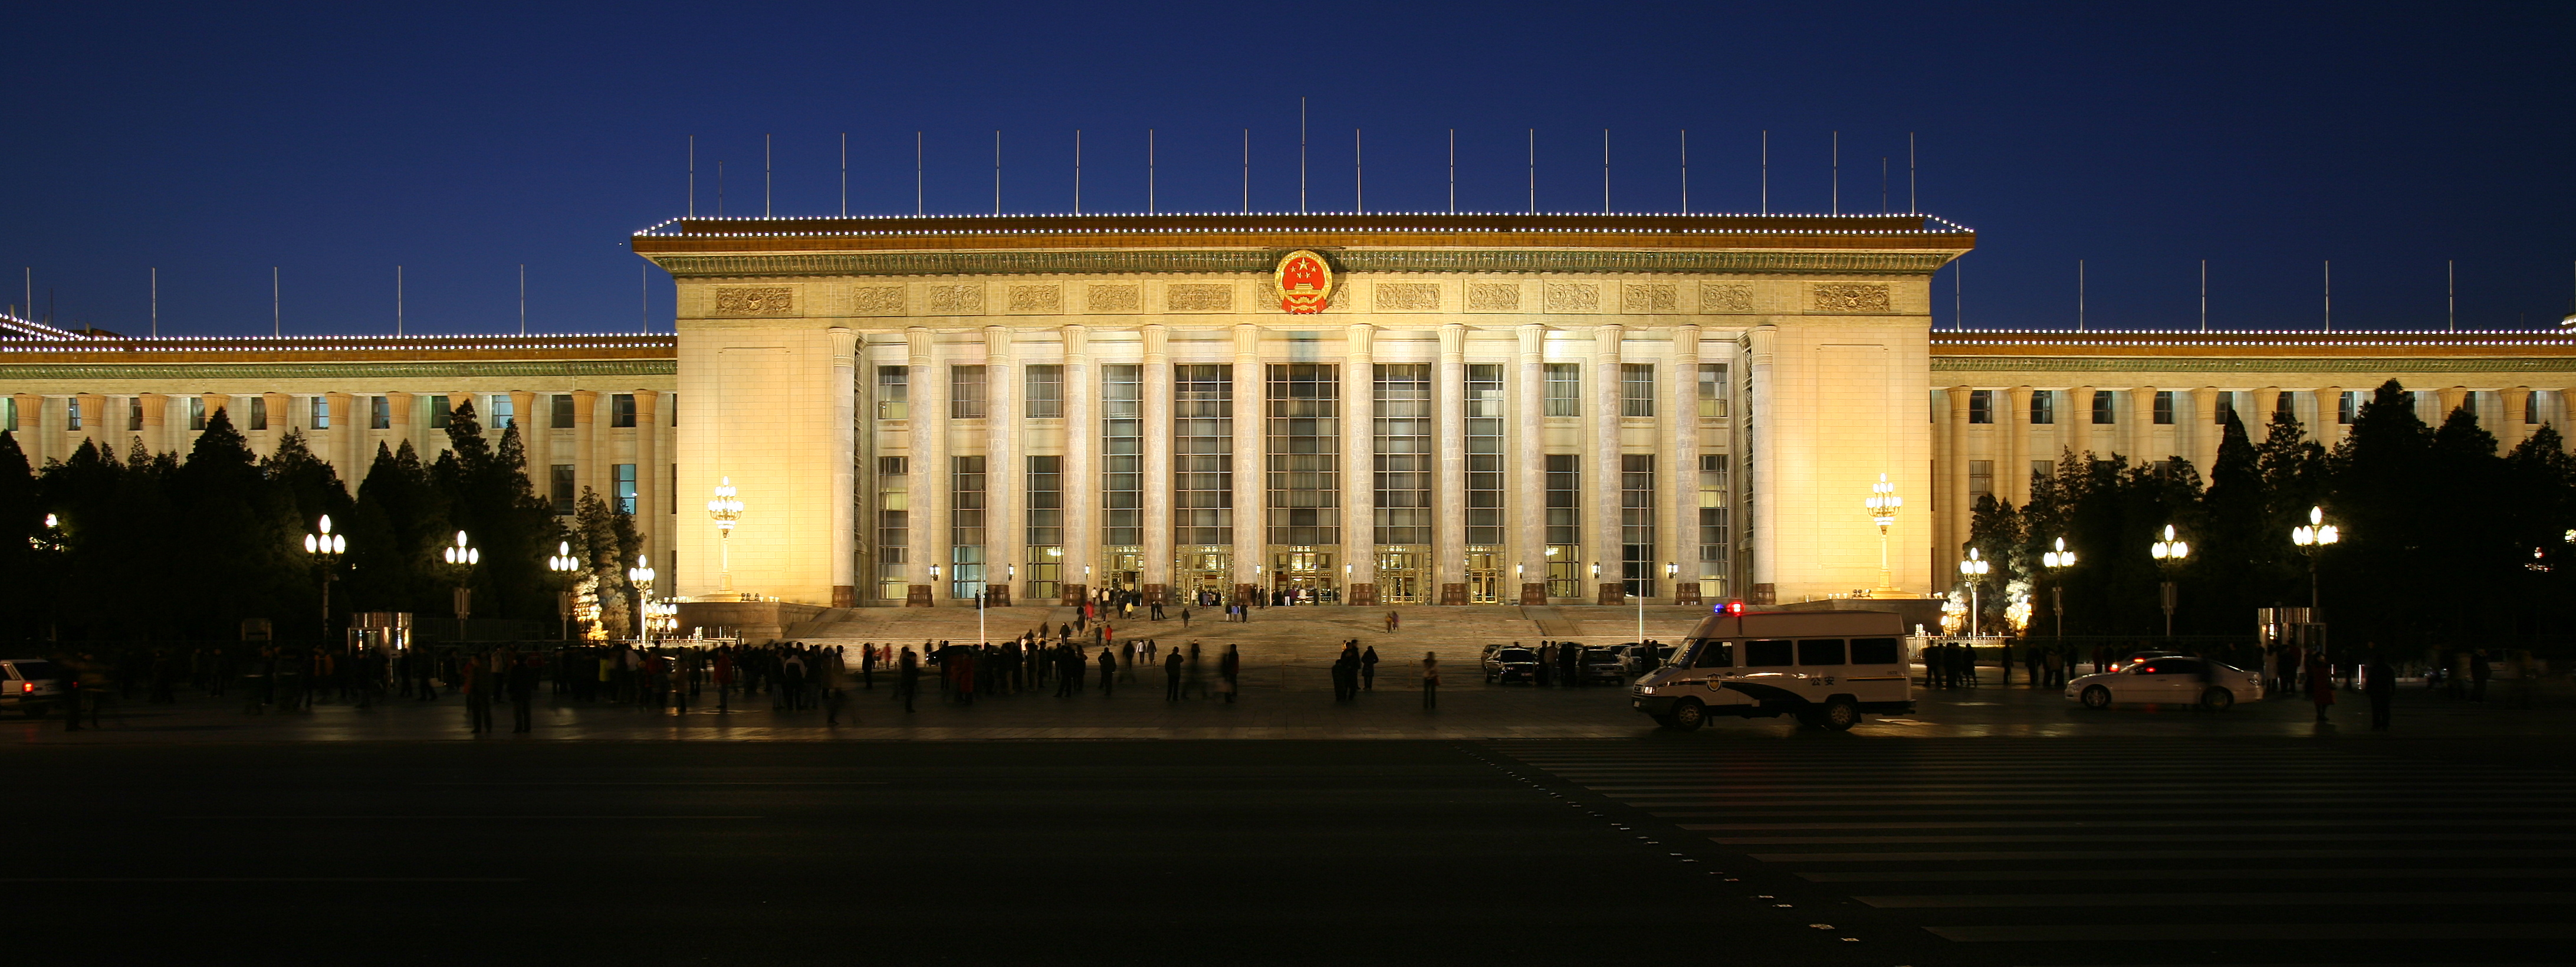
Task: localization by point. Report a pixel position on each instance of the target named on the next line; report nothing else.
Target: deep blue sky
(460, 141)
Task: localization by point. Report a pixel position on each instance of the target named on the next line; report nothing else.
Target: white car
(2169, 680)
(29, 685)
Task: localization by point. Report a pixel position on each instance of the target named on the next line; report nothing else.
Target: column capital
(1533, 339)
(1363, 338)
(916, 340)
(1453, 340)
(844, 345)
(1158, 345)
(1077, 339)
(1247, 339)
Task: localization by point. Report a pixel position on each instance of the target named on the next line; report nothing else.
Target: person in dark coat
(1368, 668)
(2320, 684)
(522, 684)
(1108, 672)
(908, 676)
(1172, 676)
(2379, 681)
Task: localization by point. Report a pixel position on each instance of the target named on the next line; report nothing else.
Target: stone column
(522, 412)
(1081, 493)
(399, 407)
(652, 519)
(2142, 427)
(1157, 390)
(1960, 507)
(2451, 397)
(2012, 482)
(333, 444)
(2327, 430)
(281, 418)
(156, 422)
(239, 415)
(926, 486)
(2266, 401)
(585, 441)
(1004, 484)
(2203, 424)
(1529, 466)
(1449, 492)
(1680, 513)
(1758, 409)
(1359, 465)
(1601, 480)
(1249, 539)
(30, 432)
(2517, 404)
(2079, 409)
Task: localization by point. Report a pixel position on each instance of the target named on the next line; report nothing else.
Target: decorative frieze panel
(1493, 297)
(755, 300)
(1037, 299)
(876, 300)
(1114, 298)
(1261, 262)
(1408, 297)
(1573, 297)
(1643, 298)
(1198, 297)
(1725, 297)
(956, 300)
(1850, 297)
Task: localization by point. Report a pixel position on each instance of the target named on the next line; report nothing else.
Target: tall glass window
(894, 392)
(380, 413)
(561, 406)
(2043, 407)
(1202, 455)
(321, 412)
(966, 526)
(134, 413)
(1046, 527)
(1122, 470)
(1636, 389)
(1404, 464)
(504, 413)
(562, 489)
(1044, 393)
(1485, 454)
(1712, 391)
(625, 477)
(72, 414)
(2164, 407)
(2105, 407)
(1637, 567)
(1564, 525)
(621, 410)
(894, 526)
(196, 413)
(259, 412)
(438, 413)
(1712, 525)
(1304, 454)
(965, 392)
(1564, 389)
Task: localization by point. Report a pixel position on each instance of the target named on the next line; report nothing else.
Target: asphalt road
(1701, 848)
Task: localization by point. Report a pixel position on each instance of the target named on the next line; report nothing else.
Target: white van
(1825, 667)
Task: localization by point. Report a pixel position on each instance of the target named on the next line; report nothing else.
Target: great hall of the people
(1374, 409)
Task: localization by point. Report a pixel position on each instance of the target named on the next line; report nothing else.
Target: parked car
(1507, 665)
(33, 686)
(2169, 679)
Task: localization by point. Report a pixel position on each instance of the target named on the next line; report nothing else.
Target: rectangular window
(1303, 454)
(133, 414)
(72, 414)
(2043, 469)
(1565, 499)
(562, 405)
(1202, 455)
(894, 392)
(1636, 389)
(966, 524)
(1712, 391)
(321, 412)
(10, 405)
(196, 413)
(1122, 469)
(438, 410)
(1045, 392)
(1712, 525)
(1769, 652)
(1638, 568)
(1485, 454)
(2530, 407)
(894, 526)
(2224, 408)
(504, 412)
(563, 490)
(259, 412)
(1821, 651)
(2106, 407)
(1403, 462)
(1981, 406)
(965, 392)
(2347, 406)
(625, 488)
(621, 410)
(1564, 389)
(1046, 502)
(380, 413)
(2285, 407)
(2468, 404)
(2043, 407)
(2164, 407)
(1981, 479)
(1875, 651)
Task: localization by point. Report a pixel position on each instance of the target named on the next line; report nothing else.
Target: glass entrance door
(1206, 574)
(1484, 576)
(1399, 576)
(1305, 574)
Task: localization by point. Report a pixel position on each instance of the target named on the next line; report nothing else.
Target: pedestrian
(908, 676)
(868, 665)
(1185, 617)
(478, 695)
(523, 695)
(1391, 622)
(1172, 676)
(1430, 680)
(828, 664)
(2380, 683)
(1368, 669)
(1108, 672)
(1228, 669)
(2320, 683)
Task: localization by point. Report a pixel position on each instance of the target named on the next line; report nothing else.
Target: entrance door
(1484, 577)
(1399, 577)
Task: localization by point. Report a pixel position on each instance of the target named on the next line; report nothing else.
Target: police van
(1825, 667)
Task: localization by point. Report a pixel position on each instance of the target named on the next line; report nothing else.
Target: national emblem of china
(1304, 281)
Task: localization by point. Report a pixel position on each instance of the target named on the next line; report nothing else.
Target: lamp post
(2312, 538)
(726, 508)
(327, 547)
(1974, 570)
(562, 563)
(2171, 551)
(2061, 557)
(462, 556)
(1882, 503)
(641, 575)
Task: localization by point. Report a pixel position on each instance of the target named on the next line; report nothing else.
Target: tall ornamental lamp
(462, 556)
(326, 547)
(1973, 570)
(2313, 538)
(564, 564)
(1882, 503)
(641, 575)
(2053, 560)
(2170, 552)
(726, 509)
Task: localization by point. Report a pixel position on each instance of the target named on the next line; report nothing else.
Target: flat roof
(1285, 230)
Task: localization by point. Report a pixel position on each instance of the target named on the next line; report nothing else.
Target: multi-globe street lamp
(462, 556)
(2171, 551)
(641, 575)
(2053, 560)
(726, 509)
(1882, 504)
(2313, 538)
(563, 563)
(327, 547)
(1974, 570)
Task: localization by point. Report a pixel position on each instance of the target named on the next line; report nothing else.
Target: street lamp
(726, 508)
(2312, 538)
(2061, 557)
(328, 547)
(563, 563)
(1974, 571)
(641, 575)
(1882, 503)
(2171, 551)
(462, 556)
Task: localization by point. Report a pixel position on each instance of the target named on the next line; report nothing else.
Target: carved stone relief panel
(1573, 297)
(1850, 297)
(755, 300)
(1650, 297)
(876, 300)
(1114, 298)
(1198, 297)
(1048, 299)
(1408, 296)
(956, 300)
(1493, 297)
(1725, 297)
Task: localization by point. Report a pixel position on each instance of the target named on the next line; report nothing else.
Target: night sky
(339, 141)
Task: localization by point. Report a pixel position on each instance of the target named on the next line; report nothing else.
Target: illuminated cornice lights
(1379, 227)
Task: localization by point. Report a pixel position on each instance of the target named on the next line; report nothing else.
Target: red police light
(1734, 608)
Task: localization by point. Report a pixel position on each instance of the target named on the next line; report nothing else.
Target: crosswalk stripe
(2149, 852)
(2168, 932)
(2095, 874)
(2210, 899)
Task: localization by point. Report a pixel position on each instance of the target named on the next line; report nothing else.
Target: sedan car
(30, 685)
(1511, 665)
(2169, 680)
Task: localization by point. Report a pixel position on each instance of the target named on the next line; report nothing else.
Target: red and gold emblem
(1304, 281)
